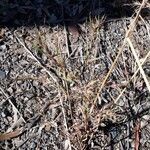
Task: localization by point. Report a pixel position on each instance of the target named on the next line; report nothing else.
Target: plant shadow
(16, 13)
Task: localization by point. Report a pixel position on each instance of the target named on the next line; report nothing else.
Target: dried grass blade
(65, 121)
(10, 135)
(137, 136)
(139, 64)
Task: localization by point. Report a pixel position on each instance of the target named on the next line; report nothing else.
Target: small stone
(10, 90)
(35, 83)
(9, 119)
(2, 74)
(3, 47)
(44, 57)
(26, 99)
(47, 127)
(33, 145)
(3, 114)
(144, 123)
(146, 117)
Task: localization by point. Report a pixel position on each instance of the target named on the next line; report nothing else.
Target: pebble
(33, 145)
(10, 90)
(3, 47)
(3, 114)
(2, 74)
(9, 119)
(146, 117)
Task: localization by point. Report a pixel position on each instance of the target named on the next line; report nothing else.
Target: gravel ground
(50, 78)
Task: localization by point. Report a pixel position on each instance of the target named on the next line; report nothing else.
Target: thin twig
(66, 39)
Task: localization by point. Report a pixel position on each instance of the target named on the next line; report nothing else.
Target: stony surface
(56, 86)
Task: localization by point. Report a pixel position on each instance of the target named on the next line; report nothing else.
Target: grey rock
(2, 74)
(3, 47)
(3, 114)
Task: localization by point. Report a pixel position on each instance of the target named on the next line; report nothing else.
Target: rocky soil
(51, 76)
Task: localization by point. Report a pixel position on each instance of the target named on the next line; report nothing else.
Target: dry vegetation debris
(76, 86)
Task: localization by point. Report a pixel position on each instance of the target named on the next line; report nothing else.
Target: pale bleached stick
(116, 100)
(65, 120)
(66, 39)
(139, 64)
